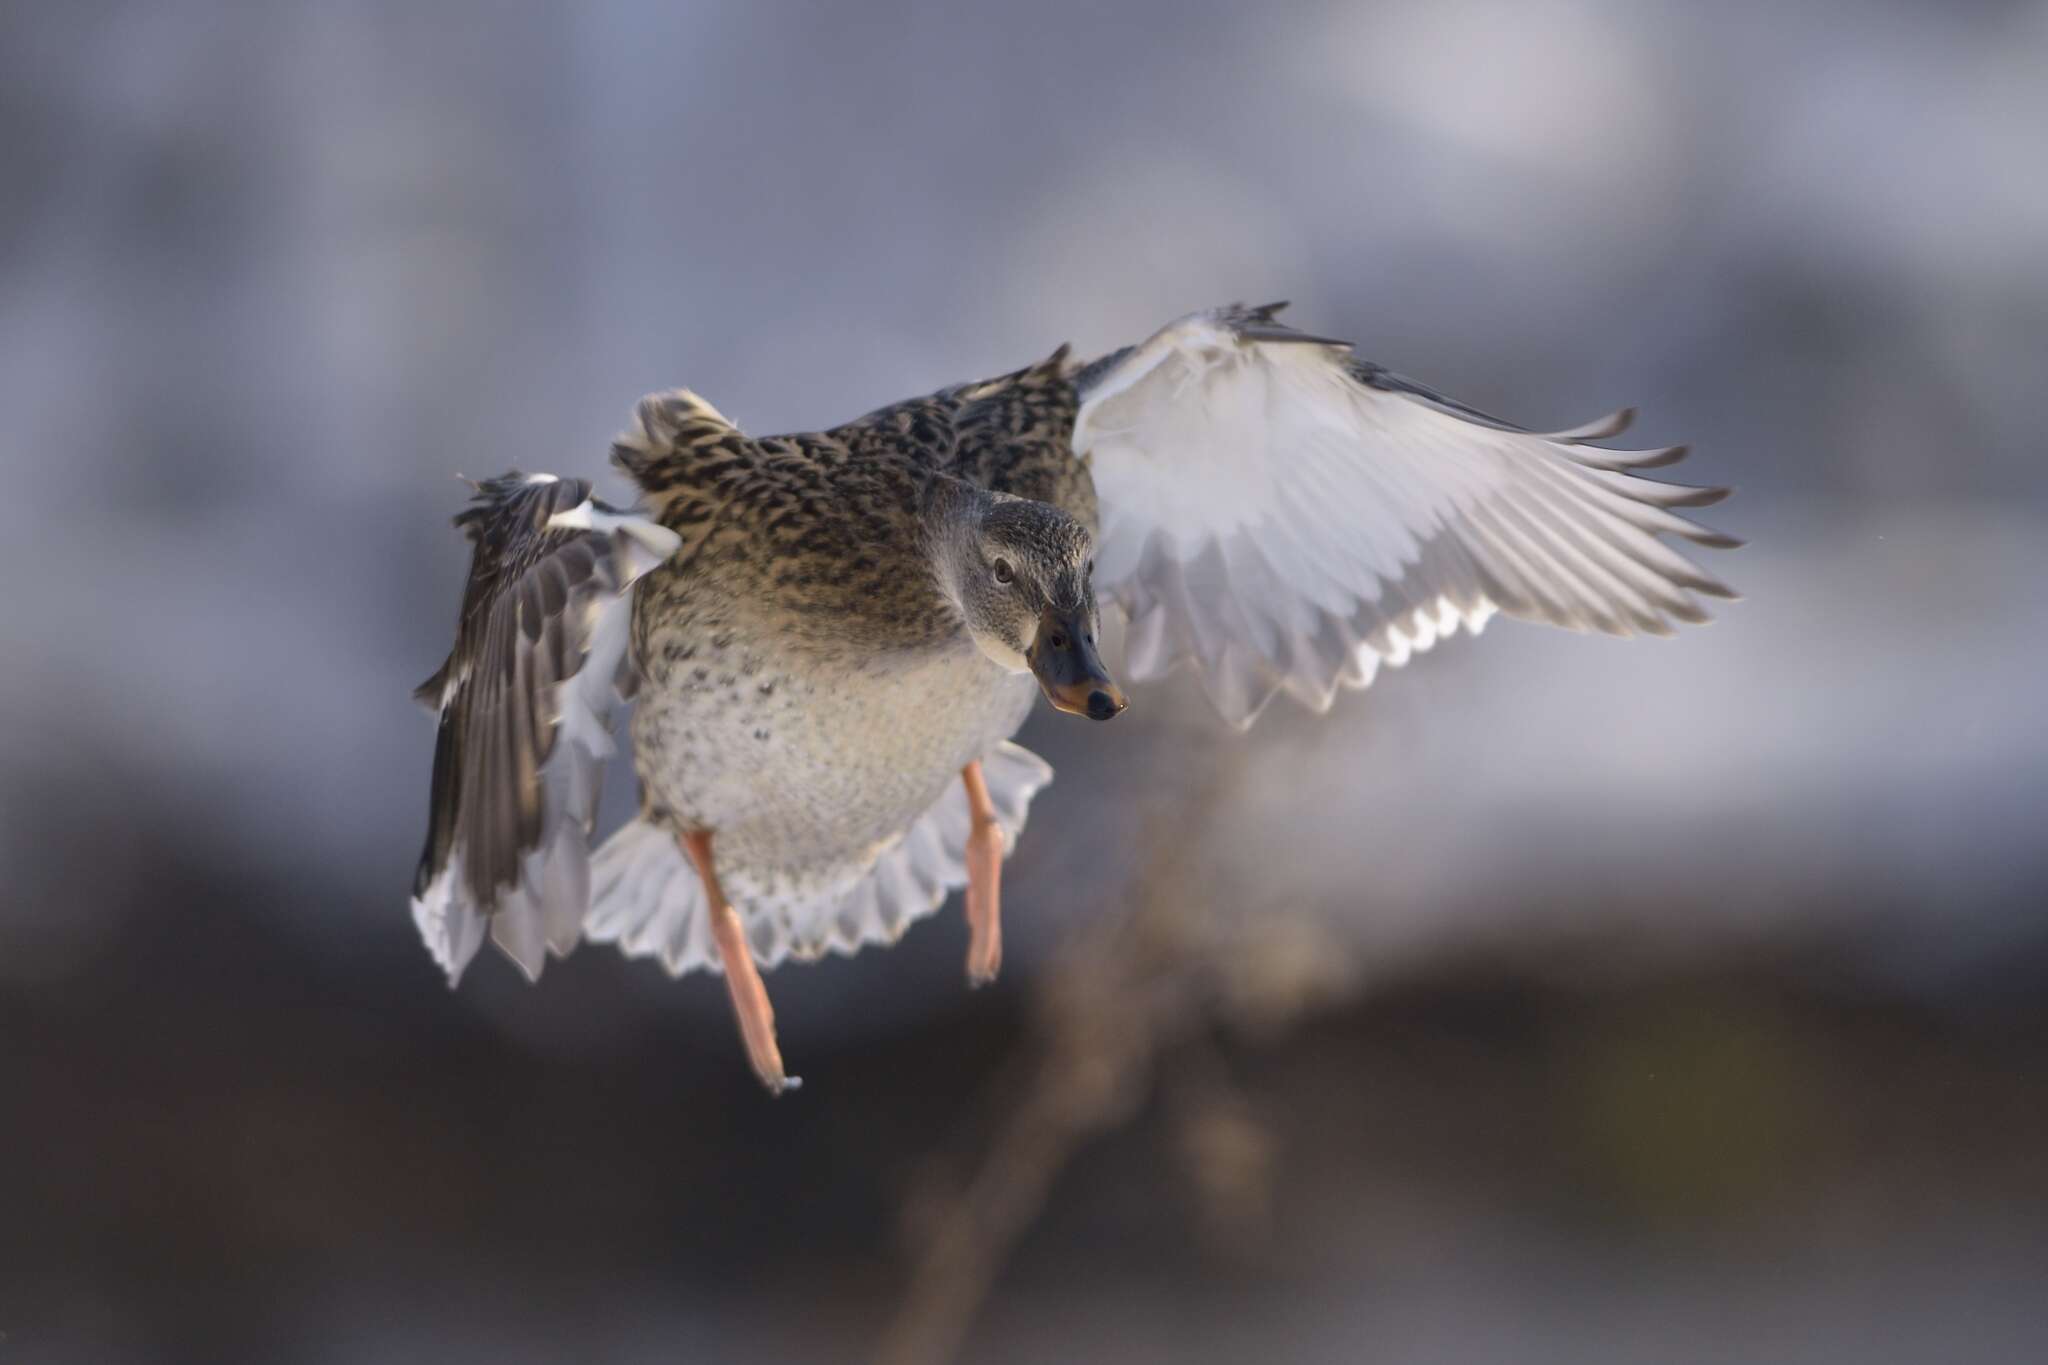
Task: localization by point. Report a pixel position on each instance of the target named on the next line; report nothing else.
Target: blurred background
(1556, 999)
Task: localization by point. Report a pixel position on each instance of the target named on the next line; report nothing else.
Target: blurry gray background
(1558, 998)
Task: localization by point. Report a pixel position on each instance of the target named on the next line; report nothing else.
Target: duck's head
(1021, 576)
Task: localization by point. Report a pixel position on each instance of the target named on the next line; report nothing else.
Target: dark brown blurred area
(1556, 999)
(267, 1155)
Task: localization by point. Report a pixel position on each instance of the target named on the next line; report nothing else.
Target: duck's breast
(806, 768)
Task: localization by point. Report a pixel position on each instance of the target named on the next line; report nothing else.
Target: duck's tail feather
(646, 898)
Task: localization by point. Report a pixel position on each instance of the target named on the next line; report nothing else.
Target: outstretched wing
(1289, 516)
(525, 699)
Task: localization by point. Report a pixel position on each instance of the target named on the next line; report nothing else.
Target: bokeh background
(1557, 999)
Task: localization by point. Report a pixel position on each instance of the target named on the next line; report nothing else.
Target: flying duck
(829, 638)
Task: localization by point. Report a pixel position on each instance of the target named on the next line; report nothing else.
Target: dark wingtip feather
(1685, 495)
(1601, 429)
(1714, 587)
(1657, 459)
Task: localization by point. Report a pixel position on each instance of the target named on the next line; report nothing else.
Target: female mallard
(834, 635)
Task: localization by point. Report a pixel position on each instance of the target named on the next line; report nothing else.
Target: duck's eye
(1004, 573)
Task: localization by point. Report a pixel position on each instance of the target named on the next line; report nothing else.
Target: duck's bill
(1069, 671)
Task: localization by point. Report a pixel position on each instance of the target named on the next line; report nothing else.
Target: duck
(829, 640)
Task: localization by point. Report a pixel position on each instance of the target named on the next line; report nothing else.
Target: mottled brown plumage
(831, 526)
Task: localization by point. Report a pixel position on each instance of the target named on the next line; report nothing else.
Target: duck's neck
(951, 518)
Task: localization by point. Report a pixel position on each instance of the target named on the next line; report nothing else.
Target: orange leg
(984, 881)
(742, 978)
